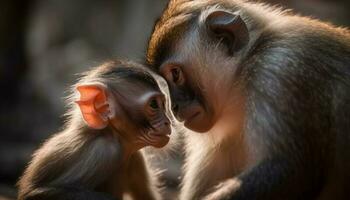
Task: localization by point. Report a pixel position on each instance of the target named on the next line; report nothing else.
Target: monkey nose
(167, 123)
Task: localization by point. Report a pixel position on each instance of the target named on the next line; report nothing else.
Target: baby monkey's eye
(154, 104)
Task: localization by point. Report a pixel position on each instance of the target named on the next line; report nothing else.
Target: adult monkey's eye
(154, 104)
(176, 73)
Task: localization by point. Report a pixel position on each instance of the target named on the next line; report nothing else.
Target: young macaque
(117, 109)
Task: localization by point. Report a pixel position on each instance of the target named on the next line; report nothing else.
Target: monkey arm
(271, 179)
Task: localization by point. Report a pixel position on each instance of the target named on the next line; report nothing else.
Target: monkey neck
(128, 147)
(231, 122)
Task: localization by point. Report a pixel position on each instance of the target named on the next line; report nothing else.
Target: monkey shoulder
(69, 157)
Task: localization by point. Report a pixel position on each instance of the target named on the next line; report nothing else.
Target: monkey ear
(94, 106)
(230, 27)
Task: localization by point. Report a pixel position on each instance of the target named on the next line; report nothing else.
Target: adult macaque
(271, 92)
(120, 110)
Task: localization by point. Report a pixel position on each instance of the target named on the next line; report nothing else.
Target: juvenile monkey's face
(125, 97)
(144, 120)
(154, 112)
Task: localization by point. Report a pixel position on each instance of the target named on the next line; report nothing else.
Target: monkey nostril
(166, 123)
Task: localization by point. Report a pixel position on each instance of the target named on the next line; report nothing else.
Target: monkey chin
(199, 122)
(161, 141)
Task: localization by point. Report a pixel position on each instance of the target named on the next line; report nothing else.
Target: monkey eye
(154, 104)
(176, 73)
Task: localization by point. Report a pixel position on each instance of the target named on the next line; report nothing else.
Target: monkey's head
(125, 97)
(198, 52)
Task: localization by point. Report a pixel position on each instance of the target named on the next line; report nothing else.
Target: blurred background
(45, 43)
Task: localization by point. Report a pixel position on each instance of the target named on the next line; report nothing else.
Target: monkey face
(189, 104)
(142, 120)
(199, 65)
(128, 100)
(154, 113)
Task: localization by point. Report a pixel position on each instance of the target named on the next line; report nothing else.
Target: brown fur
(227, 154)
(81, 163)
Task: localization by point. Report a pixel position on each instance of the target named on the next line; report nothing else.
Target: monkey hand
(224, 190)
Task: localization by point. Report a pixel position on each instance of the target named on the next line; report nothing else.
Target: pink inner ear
(89, 92)
(86, 107)
(93, 105)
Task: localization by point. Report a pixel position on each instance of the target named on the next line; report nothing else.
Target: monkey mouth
(162, 131)
(195, 118)
(159, 140)
(191, 118)
(189, 113)
(161, 134)
(157, 135)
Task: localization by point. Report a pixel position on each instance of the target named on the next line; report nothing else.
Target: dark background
(44, 43)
